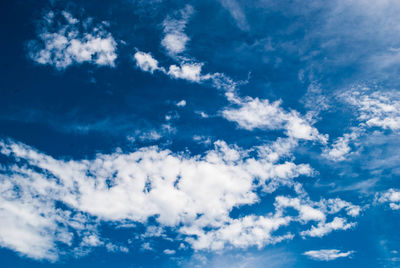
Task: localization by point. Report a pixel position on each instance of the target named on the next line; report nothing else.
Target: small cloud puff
(181, 103)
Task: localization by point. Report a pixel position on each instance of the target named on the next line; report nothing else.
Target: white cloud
(306, 212)
(375, 108)
(146, 62)
(169, 251)
(255, 113)
(91, 240)
(391, 196)
(340, 149)
(202, 139)
(175, 39)
(187, 71)
(317, 212)
(194, 193)
(115, 248)
(327, 254)
(29, 221)
(315, 99)
(202, 114)
(181, 103)
(175, 43)
(67, 45)
(324, 228)
(240, 233)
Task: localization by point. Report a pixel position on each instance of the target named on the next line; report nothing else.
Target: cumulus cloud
(193, 194)
(62, 42)
(391, 196)
(240, 233)
(187, 71)
(327, 254)
(175, 38)
(340, 149)
(317, 212)
(255, 113)
(146, 62)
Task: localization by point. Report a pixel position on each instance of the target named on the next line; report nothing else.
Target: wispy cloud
(327, 254)
(237, 13)
(175, 38)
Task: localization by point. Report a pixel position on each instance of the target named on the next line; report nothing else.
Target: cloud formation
(175, 38)
(391, 196)
(374, 109)
(64, 40)
(255, 113)
(327, 254)
(53, 201)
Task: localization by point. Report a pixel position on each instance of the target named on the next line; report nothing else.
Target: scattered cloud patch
(237, 13)
(324, 228)
(255, 113)
(186, 71)
(193, 194)
(181, 103)
(340, 149)
(175, 38)
(169, 251)
(327, 254)
(146, 62)
(375, 108)
(391, 196)
(65, 40)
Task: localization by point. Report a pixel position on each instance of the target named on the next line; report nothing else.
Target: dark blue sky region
(214, 133)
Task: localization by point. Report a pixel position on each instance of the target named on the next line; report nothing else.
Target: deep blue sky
(216, 133)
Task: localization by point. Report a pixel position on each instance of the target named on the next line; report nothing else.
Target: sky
(208, 133)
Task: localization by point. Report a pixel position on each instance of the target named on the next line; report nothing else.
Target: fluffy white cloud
(324, 228)
(255, 113)
(340, 149)
(30, 223)
(61, 43)
(193, 194)
(187, 71)
(181, 103)
(175, 39)
(391, 196)
(317, 212)
(240, 233)
(146, 62)
(327, 254)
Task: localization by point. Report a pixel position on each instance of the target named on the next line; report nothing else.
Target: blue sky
(216, 133)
